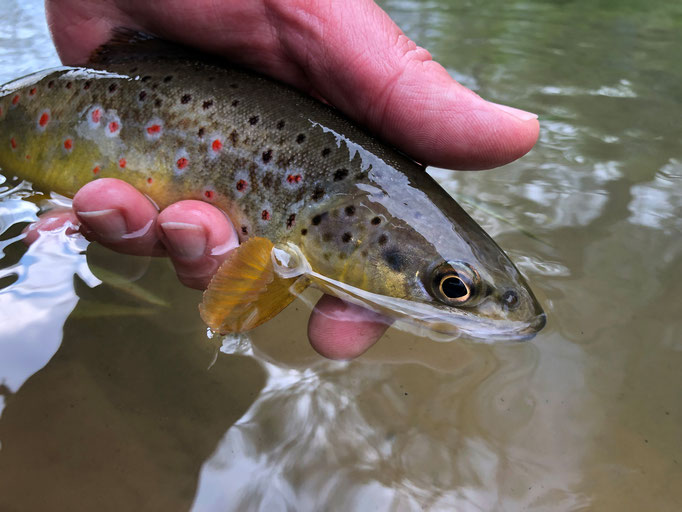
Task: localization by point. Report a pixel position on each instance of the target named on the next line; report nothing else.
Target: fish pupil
(453, 287)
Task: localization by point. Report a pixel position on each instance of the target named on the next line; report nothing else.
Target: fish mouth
(483, 330)
(535, 327)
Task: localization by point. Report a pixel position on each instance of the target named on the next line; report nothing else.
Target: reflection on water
(124, 403)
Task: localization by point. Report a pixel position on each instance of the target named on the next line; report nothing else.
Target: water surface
(112, 397)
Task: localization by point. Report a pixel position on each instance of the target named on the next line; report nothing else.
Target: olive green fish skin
(282, 165)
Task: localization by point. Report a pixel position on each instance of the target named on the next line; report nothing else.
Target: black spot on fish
(112, 87)
(304, 231)
(318, 193)
(146, 78)
(395, 259)
(186, 98)
(280, 124)
(234, 86)
(267, 180)
(201, 132)
(326, 256)
(364, 253)
(316, 220)
(234, 137)
(207, 104)
(326, 151)
(69, 85)
(340, 174)
(167, 79)
(327, 237)
(253, 120)
(235, 103)
(350, 210)
(267, 156)
(87, 85)
(346, 238)
(143, 95)
(291, 219)
(376, 221)
(382, 240)
(300, 138)
(157, 102)
(342, 256)
(155, 86)
(50, 84)
(245, 230)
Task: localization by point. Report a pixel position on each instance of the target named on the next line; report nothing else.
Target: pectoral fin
(246, 291)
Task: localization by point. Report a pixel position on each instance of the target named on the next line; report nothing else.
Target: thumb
(361, 62)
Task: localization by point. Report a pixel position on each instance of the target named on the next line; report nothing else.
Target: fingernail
(518, 113)
(187, 241)
(107, 224)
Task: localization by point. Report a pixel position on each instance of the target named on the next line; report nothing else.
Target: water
(112, 396)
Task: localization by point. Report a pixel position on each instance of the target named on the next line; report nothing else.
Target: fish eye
(454, 283)
(452, 287)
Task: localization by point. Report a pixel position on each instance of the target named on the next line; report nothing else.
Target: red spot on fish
(96, 169)
(294, 178)
(13, 143)
(265, 215)
(217, 145)
(122, 163)
(149, 180)
(96, 116)
(15, 100)
(28, 157)
(182, 163)
(68, 144)
(209, 194)
(241, 185)
(32, 91)
(154, 129)
(113, 127)
(44, 118)
(0, 111)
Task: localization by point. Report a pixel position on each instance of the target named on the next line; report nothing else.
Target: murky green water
(113, 398)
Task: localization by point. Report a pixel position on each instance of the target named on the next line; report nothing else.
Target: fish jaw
(442, 324)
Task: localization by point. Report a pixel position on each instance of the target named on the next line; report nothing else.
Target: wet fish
(314, 198)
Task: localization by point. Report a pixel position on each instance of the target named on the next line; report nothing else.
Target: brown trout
(314, 198)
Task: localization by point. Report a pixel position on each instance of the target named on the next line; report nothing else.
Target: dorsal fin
(129, 45)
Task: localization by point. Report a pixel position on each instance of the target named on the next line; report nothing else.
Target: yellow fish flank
(316, 200)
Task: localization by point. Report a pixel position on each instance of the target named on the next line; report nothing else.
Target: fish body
(371, 226)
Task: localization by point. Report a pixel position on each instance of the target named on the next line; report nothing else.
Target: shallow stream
(112, 397)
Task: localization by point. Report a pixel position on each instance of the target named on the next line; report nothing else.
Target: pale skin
(348, 53)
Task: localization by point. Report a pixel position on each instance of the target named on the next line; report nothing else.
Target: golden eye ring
(454, 288)
(454, 283)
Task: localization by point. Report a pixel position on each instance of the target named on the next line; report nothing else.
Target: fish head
(413, 253)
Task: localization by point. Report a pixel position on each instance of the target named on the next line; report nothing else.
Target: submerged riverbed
(113, 397)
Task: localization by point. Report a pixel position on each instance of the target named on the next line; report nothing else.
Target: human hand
(348, 53)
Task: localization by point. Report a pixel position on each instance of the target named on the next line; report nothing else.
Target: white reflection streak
(34, 308)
